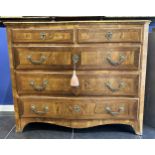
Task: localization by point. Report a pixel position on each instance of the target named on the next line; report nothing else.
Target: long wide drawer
(101, 35)
(42, 36)
(78, 108)
(91, 83)
(115, 57)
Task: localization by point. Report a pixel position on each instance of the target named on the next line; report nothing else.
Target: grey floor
(46, 131)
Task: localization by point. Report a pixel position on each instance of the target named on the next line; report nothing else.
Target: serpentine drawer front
(78, 74)
(75, 108)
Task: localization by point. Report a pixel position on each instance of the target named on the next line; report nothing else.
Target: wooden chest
(110, 59)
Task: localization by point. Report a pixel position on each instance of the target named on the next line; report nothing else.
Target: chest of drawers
(110, 59)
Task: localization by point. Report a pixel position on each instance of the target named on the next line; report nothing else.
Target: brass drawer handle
(121, 85)
(121, 59)
(39, 87)
(45, 110)
(114, 113)
(43, 35)
(108, 35)
(36, 62)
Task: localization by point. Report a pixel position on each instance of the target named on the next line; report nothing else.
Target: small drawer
(98, 35)
(78, 108)
(97, 83)
(42, 36)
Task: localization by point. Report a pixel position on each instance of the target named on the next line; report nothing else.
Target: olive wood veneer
(110, 59)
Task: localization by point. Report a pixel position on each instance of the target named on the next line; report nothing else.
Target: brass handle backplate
(43, 35)
(121, 85)
(39, 87)
(36, 62)
(45, 110)
(108, 35)
(75, 60)
(121, 59)
(75, 108)
(114, 113)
